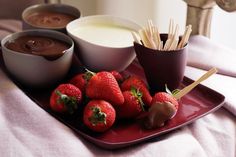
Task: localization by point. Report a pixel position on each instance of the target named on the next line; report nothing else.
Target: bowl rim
(42, 32)
(91, 18)
(45, 6)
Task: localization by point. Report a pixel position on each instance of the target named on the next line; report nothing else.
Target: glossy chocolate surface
(38, 45)
(47, 19)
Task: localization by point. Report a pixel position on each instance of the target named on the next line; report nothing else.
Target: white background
(223, 28)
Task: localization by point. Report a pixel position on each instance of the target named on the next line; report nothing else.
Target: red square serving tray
(196, 104)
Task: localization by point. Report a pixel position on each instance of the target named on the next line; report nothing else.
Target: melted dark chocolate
(38, 45)
(49, 19)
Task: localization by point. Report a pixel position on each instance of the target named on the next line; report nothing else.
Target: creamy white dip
(105, 35)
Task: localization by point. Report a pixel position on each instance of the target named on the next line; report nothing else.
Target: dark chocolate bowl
(34, 59)
(49, 16)
(162, 67)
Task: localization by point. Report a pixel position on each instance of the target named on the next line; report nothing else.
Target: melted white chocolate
(105, 35)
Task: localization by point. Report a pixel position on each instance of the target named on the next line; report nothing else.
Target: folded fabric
(9, 26)
(204, 54)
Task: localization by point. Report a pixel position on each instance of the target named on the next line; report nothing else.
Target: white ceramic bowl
(37, 71)
(96, 56)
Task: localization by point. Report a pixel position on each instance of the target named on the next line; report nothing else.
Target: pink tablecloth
(26, 130)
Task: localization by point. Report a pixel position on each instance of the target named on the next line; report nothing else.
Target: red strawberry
(134, 81)
(65, 98)
(119, 78)
(165, 97)
(104, 86)
(99, 115)
(164, 107)
(80, 80)
(132, 106)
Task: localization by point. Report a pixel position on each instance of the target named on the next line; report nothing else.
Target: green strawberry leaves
(69, 102)
(138, 94)
(98, 116)
(88, 75)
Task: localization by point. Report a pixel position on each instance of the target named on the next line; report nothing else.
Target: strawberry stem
(88, 75)
(98, 116)
(69, 102)
(173, 93)
(138, 94)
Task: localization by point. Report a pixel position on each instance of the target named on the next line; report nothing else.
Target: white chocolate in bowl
(105, 35)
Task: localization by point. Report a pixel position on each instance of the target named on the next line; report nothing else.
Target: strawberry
(65, 98)
(132, 106)
(134, 81)
(103, 85)
(99, 115)
(164, 97)
(163, 107)
(119, 78)
(81, 80)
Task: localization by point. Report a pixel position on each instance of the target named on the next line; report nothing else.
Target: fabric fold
(203, 53)
(9, 26)
(225, 85)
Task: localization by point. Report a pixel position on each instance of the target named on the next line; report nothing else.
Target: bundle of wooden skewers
(149, 36)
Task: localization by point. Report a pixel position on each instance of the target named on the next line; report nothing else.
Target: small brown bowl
(162, 67)
(49, 16)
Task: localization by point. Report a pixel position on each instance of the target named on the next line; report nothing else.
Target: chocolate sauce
(38, 45)
(48, 19)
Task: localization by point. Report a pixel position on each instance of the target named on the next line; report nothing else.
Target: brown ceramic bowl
(162, 67)
(49, 16)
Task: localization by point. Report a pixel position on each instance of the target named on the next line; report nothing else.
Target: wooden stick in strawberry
(187, 89)
(165, 105)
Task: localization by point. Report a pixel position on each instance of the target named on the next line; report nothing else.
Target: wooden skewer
(185, 37)
(174, 39)
(150, 39)
(194, 84)
(161, 45)
(189, 30)
(167, 44)
(150, 25)
(135, 37)
(144, 38)
(171, 26)
(155, 37)
(157, 34)
(173, 44)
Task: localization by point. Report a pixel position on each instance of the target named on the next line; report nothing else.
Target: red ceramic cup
(162, 67)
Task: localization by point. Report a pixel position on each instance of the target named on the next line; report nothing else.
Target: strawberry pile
(110, 97)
